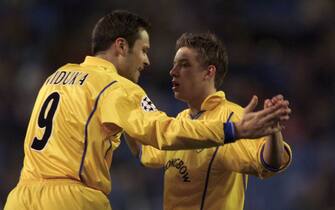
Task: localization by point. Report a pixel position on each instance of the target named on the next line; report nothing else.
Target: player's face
(187, 75)
(137, 57)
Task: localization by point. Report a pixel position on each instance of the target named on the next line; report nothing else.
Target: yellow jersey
(66, 138)
(212, 178)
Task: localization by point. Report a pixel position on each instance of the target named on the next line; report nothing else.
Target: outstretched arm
(121, 111)
(166, 133)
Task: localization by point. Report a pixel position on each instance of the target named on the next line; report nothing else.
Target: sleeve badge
(147, 105)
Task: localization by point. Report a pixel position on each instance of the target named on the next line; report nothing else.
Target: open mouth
(175, 85)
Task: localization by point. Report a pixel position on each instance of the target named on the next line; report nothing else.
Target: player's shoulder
(230, 106)
(69, 66)
(134, 93)
(129, 86)
(184, 113)
(233, 106)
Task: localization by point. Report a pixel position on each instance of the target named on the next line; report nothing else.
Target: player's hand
(276, 100)
(255, 124)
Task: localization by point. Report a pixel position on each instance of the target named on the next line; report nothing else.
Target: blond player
(81, 111)
(212, 178)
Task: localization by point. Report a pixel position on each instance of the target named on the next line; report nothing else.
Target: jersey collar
(213, 100)
(95, 61)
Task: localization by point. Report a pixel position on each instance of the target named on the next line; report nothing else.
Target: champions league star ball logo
(147, 105)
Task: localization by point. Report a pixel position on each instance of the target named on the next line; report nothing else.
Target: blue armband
(229, 132)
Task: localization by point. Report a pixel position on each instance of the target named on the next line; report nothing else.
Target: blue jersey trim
(207, 179)
(86, 128)
(229, 130)
(229, 117)
(269, 167)
(209, 169)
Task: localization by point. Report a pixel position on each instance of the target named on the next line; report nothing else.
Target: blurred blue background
(274, 47)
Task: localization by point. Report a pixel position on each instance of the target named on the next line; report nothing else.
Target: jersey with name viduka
(212, 178)
(66, 138)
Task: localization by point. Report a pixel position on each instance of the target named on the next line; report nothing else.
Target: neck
(195, 103)
(108, 57)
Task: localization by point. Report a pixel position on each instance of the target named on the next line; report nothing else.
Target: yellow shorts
(55, 195)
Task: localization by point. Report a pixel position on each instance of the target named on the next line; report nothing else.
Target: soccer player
(82, 109)
(212, 178)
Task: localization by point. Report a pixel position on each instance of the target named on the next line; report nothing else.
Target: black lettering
(167, 165)
(179, 164)
(45, 120)
(54, 76)
(67, 75)
(82, 80)
(46, 82)
(60, 77)
(173, 162)
(182, 170)
(73, 79)
(186, 178)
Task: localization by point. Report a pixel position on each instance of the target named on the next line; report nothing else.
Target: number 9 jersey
(64, 138)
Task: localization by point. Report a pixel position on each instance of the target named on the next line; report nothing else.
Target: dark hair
(211, 51)
(119, 23)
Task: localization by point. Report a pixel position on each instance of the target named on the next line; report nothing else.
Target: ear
(210, 72)
(121, 46)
